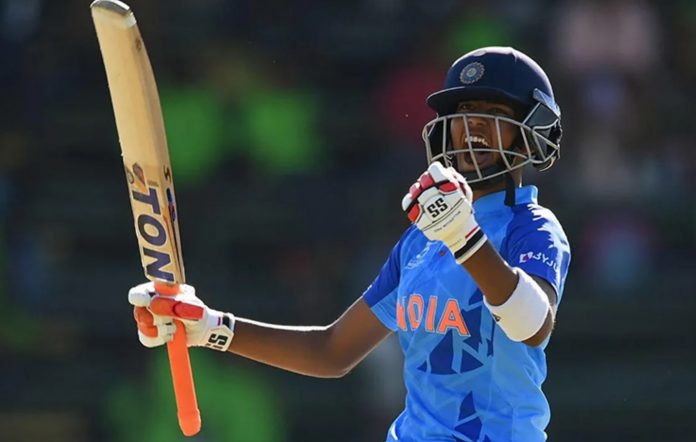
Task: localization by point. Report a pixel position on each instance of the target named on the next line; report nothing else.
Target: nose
(472, 121)
(461, 125)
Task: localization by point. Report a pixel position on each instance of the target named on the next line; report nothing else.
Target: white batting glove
(155, 316)
(440, 204)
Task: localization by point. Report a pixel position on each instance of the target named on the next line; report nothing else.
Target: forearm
(492, 274)
(321, 351)
(498, 281)
(298, 349)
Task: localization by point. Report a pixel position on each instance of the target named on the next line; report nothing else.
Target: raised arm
(440, 204)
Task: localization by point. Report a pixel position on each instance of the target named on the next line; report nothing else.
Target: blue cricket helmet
(491, 73)
(507, 75)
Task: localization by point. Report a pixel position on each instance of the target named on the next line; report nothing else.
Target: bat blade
(143, 142)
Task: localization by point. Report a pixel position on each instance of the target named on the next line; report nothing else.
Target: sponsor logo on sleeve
(539, 256)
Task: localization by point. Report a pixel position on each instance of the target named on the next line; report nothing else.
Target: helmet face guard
(537, 140)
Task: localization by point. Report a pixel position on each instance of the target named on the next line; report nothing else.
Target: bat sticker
(170, 204)
(138, 171)
(129, 176)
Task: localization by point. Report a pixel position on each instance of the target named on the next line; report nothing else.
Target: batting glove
(439, 203)
(155, 316)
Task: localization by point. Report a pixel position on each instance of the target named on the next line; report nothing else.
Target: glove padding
(155, 315)
(440, 204)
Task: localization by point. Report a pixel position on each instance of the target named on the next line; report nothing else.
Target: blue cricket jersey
(465, 379)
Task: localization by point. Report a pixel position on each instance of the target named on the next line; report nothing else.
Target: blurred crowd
(294, 130)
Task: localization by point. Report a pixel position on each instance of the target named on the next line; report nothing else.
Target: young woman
(471, 288)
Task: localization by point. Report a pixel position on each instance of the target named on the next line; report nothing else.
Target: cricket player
(471, 288)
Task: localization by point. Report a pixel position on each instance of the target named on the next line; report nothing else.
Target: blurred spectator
(592, 36)
(475, 29)
(194, 124)
(618, 252)
(283, 132)
(402, 109)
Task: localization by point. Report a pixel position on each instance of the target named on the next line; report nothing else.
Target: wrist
(466, 245)
(219, 331)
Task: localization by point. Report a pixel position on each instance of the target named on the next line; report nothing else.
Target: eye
(462, 108)
(500, 111)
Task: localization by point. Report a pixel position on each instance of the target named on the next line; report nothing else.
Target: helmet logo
(472, 73)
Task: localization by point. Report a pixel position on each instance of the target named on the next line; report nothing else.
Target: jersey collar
(496, 201)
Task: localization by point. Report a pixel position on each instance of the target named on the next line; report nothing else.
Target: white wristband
(525, 311)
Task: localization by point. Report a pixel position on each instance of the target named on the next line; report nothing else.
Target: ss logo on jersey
(436, 208)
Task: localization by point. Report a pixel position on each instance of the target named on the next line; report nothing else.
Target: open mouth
(477, 139)
(481, 158)
(480, 155)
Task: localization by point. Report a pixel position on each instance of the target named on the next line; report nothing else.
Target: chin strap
(509, 190)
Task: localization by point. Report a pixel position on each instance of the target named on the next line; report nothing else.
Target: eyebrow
(503, 106)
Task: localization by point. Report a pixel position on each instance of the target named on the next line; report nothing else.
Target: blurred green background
(294, 129)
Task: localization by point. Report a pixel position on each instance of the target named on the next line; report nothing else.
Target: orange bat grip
(180, 364)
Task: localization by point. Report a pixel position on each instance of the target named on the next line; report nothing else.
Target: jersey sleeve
(537, 244)
(380, 296)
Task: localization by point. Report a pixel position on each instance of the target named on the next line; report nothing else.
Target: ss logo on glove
(216, 341)
(440, 205)
(436, 208)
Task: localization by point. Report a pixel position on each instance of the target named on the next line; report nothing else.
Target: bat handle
(182, 377)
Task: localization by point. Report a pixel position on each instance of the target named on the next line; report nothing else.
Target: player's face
(482, 133)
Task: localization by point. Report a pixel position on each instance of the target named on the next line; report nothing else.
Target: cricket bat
(148, 172)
